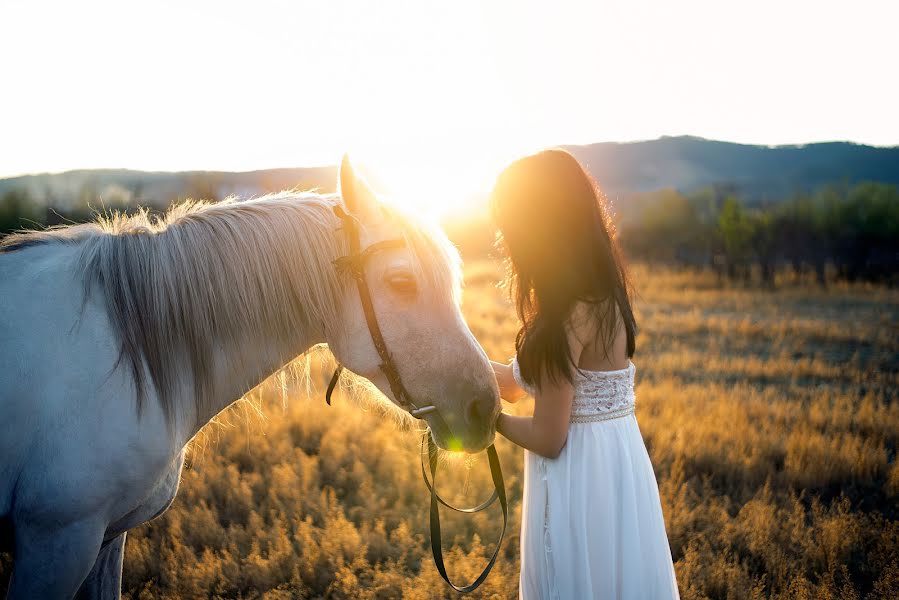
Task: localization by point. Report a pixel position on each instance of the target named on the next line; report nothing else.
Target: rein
(354, 264)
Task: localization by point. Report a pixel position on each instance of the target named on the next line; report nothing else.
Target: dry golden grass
(771, 418)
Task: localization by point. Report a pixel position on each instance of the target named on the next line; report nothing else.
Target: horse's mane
(203, 272)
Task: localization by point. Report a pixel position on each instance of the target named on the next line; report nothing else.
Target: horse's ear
(358, 197)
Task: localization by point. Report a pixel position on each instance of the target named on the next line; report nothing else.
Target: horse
(123, 337)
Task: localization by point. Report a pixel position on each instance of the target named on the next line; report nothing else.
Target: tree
(17, 211)
(736, 233)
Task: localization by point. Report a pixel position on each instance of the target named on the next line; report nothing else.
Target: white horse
(121, 339)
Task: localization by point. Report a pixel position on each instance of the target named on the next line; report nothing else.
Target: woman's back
(595, 356)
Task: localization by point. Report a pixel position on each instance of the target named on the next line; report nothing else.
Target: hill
(755, 173)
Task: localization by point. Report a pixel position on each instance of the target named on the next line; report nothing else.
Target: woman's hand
(509, 390)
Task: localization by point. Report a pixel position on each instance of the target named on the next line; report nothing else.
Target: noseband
(354, 264)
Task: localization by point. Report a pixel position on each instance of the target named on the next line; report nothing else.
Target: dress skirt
(592, 524)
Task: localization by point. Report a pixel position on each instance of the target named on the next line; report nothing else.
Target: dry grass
(771, 418)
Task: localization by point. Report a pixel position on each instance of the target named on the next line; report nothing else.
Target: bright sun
(437, 181)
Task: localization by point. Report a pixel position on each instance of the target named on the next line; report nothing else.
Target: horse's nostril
(474, 412)
(477, 413)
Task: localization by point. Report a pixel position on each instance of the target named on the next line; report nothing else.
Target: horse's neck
(239, 367)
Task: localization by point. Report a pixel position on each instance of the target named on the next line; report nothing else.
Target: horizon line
(38, 173)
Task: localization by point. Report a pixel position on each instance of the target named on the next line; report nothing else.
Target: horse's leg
(105, 580)
(53, 563)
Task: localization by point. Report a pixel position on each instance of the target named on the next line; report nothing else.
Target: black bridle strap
(436, 542)
(354, 263)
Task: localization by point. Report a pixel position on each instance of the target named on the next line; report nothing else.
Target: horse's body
(101, 386)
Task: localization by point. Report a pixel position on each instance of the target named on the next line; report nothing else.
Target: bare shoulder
(581, 326)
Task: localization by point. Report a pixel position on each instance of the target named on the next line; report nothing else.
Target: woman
(592, 523)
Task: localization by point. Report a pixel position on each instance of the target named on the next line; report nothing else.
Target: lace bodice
(598, 395)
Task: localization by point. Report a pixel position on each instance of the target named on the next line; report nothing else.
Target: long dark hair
(558, 240)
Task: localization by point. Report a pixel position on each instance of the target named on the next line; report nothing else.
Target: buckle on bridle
(349, 264)
(419, 413)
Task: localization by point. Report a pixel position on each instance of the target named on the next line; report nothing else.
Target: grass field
(771, 418)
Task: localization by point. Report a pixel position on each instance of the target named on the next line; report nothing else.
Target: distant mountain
(755, 173)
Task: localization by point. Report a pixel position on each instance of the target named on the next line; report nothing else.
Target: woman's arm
(509, 390)
(547, 431)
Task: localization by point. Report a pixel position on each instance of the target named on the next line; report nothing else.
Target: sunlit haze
(432, 96)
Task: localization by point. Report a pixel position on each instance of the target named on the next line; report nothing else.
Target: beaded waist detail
(603, 416)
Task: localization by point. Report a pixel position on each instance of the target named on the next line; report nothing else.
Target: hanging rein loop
(354, 264)
(427, 445)
(436, 542)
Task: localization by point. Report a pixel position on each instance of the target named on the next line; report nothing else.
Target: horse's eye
(402, 283)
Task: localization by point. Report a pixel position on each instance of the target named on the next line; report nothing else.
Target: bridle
(354, 265)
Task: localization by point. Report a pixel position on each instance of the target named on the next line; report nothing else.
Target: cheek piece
(353, 264)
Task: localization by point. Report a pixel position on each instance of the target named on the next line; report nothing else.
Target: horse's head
(415, 295)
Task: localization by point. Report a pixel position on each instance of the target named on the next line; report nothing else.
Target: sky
(432, 96)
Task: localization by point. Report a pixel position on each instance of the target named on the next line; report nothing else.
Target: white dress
(591, 523)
